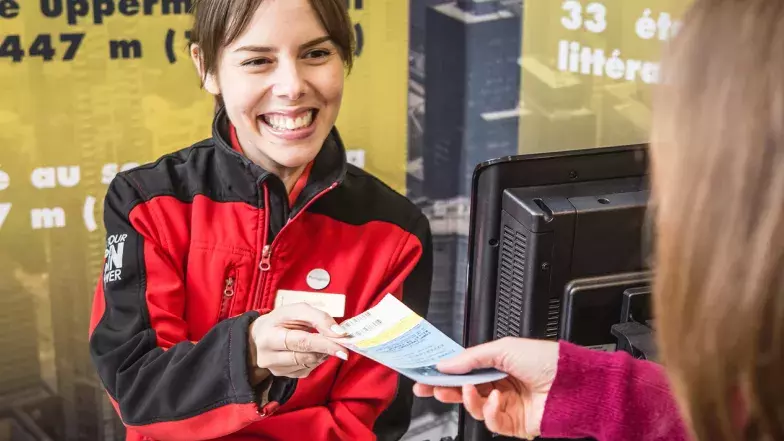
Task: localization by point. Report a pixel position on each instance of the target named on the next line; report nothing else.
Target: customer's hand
(513, 406)
(281, 344)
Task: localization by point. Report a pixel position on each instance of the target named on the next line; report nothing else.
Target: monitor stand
(635, 332)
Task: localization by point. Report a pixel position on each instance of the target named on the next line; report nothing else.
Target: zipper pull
(266, 253)
(228, 291)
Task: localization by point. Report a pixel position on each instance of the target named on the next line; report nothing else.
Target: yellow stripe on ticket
(392, 333)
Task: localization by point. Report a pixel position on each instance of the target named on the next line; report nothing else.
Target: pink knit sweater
(610, 397)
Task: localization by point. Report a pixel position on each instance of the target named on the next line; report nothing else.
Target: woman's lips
(291, 126)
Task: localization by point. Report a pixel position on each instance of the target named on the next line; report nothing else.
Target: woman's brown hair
(217, 23)
(718, 181)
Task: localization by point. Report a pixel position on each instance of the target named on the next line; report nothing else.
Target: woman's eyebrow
(255, 48)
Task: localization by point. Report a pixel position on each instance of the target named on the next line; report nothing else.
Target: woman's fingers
(309, 360)
(294, 340)
(279, 360)
(304, 314)
(296, 373)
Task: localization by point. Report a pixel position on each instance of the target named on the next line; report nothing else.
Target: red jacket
(198, 244)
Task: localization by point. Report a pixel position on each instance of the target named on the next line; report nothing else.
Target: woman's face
(282, 84)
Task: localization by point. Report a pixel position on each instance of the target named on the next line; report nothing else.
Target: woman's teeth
(281, 122)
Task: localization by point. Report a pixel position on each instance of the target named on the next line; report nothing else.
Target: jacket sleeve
(370, 401)
(162, 385)
(610, 397)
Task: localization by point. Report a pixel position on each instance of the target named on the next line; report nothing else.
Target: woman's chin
(294, 162)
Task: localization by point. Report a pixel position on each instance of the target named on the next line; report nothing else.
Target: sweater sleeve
(610, 397)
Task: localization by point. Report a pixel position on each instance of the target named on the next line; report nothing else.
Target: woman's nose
(289, 83)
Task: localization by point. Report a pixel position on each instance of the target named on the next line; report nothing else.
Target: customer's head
(718, 173)
(278, 66)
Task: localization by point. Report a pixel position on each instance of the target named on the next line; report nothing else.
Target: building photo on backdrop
(94, 87)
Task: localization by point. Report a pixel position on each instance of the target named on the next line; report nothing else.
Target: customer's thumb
(483, 356)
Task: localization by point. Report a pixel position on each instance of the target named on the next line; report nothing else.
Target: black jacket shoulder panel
(363, 198)
(200, 169)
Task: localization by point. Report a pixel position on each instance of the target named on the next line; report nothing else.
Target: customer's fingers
(473, 402)
(497, 419)
(448, 395)
(488, 355)
(485, 389)
(423, 390)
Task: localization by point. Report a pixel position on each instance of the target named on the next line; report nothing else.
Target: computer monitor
(557, 250)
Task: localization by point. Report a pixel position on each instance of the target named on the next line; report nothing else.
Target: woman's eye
(256, 62)
(318, 53)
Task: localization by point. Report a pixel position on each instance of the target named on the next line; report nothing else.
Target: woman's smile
(292, 125)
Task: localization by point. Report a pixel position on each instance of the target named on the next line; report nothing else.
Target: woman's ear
(208, 80)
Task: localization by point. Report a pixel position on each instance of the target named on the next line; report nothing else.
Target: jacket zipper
(264, 264)
(229, 289)
(266, 253)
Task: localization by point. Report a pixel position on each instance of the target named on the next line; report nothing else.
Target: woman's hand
(513, 406)
(281, 344)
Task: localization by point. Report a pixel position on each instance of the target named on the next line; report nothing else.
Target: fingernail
(342, 355)
(338, 330)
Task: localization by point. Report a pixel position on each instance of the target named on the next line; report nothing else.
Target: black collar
(329, 167)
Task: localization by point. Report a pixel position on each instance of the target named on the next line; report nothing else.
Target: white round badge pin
(318, 279)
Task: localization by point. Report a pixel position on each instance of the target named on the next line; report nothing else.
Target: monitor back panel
(554, 235)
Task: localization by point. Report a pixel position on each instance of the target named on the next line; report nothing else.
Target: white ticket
(393, 335)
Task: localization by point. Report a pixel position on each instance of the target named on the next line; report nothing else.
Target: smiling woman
(193, 340)
(280, 67)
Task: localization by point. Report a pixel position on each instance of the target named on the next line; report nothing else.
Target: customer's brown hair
(217, 23)
(718, 181)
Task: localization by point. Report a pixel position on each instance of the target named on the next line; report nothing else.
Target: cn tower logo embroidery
(115, 247)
